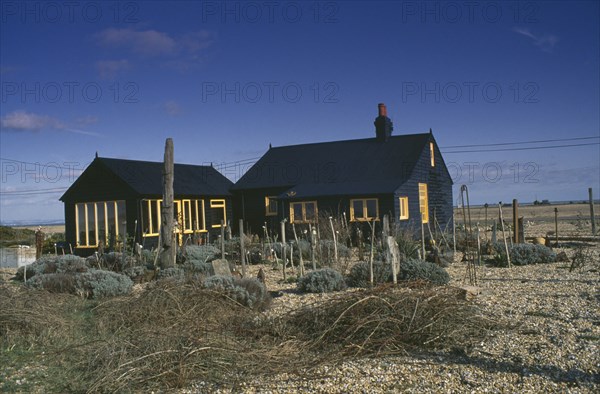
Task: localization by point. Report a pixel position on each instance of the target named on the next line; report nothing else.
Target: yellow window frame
(268, 211)
(153, 228)
(403, 208)
(86, 214)
(200, 229)
(364, 201)
(423, 202)
(303, 219)
(219, 203)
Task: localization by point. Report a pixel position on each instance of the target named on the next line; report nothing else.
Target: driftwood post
(422, 238)
(335, 251)
(167, 253)
(515, 208)
(222, 240)
(504, 235)
(283, 245)
(393, 255)
(486, 221)
(556, 225)
(592, 212)
(242, 250)
(494, 237)
(313, 240)
(299, 250)
(371, 279)
(453, 232)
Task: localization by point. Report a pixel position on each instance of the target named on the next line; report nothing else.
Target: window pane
(358, 209)
(91, 219)
(154, 216)
(121, 218)
(297, 208)
(81, 224)
(101, 222)
(218, 212)
(187, 215)
(310, 211)
(371, 208)
(112, 230)
(201, 222)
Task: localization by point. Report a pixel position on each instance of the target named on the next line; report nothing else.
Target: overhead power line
(520, 143)
(517, 149)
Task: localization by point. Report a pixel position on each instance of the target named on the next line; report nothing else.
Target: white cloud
(25, 121)
(545, 42)
(21, 121)
(172, 108)
(110, 68)
(147, 42)
(184, 50)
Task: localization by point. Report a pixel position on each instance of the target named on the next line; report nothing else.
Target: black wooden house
(403, 176)
(115, 198)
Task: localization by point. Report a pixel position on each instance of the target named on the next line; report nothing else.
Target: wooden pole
(422, 238)
(393, 257)
(335, 250)
(299, 250)
(313, 241)
(453, 231)
(242, 248)
(283, 250)
(167, 254)
(592, 217)
(486, 221)
(504, 235)
(222, 240)
(556, 226)
(515, 209)
(371, 279)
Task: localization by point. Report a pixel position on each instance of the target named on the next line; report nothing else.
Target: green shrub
(246, 291)
(54, 264)
(99, 284)
(200, 267)
(171, 272)
(321, 281)
(203, 253)
(359, 274)
(135, 272)
(408, 247)
(54, 283)
(523, 254)
(413, 269)
(328, 252)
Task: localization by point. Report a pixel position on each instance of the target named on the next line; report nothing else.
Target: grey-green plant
(414, 269)
(246, 291)
(523, 254)
(323, 280)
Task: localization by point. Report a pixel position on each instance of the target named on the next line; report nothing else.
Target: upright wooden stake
(335, 250)
(299, 250)
(504, 235)
(242, 248)
(283, 245)
(486, 221)
(313, 242)
(453, 232)
(592, 217)
(515, 207)
(167, 253)
(222, 240)
(556, 225)
(371, 279)
(422, 238)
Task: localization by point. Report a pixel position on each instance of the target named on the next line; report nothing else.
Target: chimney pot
(382, 109)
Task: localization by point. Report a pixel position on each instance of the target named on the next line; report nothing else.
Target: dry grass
(172, 333)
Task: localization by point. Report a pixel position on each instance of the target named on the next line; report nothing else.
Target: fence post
(515, 206)
(242, 249)
(592, 212)
(556, 225)
(283, 248)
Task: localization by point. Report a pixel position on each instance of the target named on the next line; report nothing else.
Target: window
(99, 221)
(199, 225)
(403, 208)
(364, 209)
(151, 217)
(270, 206)
(423, 202)
(303, 212)
(218, 212)
(432, 154)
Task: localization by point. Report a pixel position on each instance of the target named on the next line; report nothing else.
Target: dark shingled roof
(145, 177)
(337, 168)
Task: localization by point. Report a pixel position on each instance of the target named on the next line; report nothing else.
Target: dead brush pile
(388, 320)
(174, 333)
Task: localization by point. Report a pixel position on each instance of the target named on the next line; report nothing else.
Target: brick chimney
(383, 124)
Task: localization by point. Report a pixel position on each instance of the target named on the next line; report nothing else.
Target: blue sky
(225, 79)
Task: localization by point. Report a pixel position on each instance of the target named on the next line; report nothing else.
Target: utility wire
(516, 149)
(520, 143)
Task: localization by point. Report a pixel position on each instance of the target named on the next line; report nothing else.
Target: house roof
(145, 177)
(364, 166)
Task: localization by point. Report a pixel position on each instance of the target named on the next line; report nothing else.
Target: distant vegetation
(16, 236)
